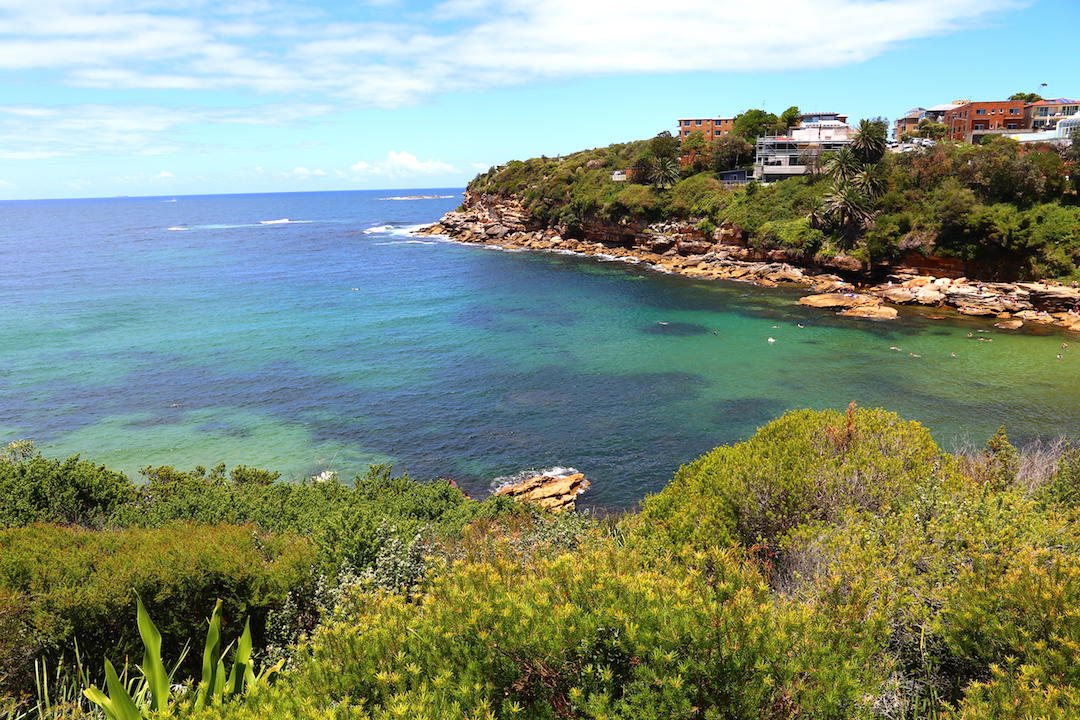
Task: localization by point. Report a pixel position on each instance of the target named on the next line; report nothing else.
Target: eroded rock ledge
(556, 493)
(679, 247)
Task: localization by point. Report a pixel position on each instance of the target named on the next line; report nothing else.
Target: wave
(409, 242)
(556, 471)
(179, 228)
(393, 229)
(283, 221)
(419, 197)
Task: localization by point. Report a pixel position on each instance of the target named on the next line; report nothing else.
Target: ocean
(311, 331)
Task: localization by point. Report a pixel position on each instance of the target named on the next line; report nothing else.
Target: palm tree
(842, 165)
(870, 181)
(665, 172)
(869, 144)
(847, 210)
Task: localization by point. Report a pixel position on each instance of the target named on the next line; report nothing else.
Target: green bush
(805, 467)
(73, 491)
(70, 585)
(607, 633)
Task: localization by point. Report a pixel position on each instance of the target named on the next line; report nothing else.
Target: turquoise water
(339, 340)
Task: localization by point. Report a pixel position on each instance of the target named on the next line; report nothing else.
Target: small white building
(618, 176)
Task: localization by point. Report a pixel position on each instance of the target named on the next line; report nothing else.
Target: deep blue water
(139, 331)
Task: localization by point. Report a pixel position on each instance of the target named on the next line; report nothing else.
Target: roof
(1055, 101)
(944, 106)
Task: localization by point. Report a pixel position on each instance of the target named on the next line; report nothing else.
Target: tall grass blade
(153, 668)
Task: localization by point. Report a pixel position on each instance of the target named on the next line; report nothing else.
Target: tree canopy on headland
(1010, 208)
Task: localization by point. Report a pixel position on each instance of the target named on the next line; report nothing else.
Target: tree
(641, 169)
(665, 172)
(869, 142)
(842, 165)
(731, 151)
(790, 117)
(933, 130)
(1026, 97)
(752, 124)
(696, 151)
(664, 145)
(846, 210)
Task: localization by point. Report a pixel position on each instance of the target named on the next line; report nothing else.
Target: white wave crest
(283, 221)
(409, 242)
(419, 197)
(556, 471)
(179, 228)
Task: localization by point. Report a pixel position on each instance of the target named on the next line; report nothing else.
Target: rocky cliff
(680, 247)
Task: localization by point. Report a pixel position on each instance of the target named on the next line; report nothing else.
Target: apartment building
(908, 124)
(972, 121)
(1045, 115)
(711, 128)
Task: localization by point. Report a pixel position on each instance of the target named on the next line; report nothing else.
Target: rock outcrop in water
(555, 493)
(680, 247)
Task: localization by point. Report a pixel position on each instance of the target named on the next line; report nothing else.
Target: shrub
(79, 585)
(806, 466)
(73, 491)
(607, 633)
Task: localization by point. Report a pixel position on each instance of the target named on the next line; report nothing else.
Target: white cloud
(401, 163)
(164, 175)
(31, 132)
(302, 173)
(460, 45)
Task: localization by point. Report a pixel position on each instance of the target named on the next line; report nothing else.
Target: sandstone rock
(765, 282)
(839, 300)
(927, 296)
(871, 312)
(976, 310)
(547, 491)
(1011, 324)
(899, 294)
(694, 247)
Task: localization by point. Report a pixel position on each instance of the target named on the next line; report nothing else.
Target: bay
(147, 331)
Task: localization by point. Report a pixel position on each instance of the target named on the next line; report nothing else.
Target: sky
(169, 97)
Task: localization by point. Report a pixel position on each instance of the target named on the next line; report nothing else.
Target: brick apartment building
(711, 128)
(973, 120)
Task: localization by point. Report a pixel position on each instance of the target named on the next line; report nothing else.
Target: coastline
(681, 249)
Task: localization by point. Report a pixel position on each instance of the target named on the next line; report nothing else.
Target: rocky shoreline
(683, 249)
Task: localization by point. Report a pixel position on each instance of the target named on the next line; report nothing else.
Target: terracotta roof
(1055, 101)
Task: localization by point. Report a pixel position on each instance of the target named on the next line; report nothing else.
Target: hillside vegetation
(1012, 210)
(836, 565)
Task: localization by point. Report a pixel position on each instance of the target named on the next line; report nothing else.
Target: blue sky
(169, 97)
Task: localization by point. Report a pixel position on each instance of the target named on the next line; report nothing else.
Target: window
(1014, 111)
(980, 111)
(980, 126)
(1010, 126)
(697, 122)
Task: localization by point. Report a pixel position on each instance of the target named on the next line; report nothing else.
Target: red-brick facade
(711, 128)
(971, 118)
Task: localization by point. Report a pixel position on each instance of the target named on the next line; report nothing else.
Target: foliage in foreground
(835, 566)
